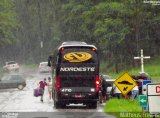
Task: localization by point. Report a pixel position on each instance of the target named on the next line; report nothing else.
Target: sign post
(142, 60)
(143, 102)
(144, 83)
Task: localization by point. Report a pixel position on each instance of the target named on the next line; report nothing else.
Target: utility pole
(41, 44)
(40, 31)
(142, 60)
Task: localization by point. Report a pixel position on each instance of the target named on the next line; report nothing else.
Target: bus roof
(75, 44)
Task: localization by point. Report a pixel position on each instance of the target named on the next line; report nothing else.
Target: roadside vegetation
(151, 66)
(116, 106)
(125, 108)
(118, 28)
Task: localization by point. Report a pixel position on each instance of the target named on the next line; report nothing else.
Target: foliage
(118, 28)
(150, 66)
(8, 22)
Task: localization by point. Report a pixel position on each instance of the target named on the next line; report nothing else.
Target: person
(103, 89)
(51, 60)
(135, 93)
(115, 92)
(49, 87)
(140, 78)
(144, 76)
(42, 85)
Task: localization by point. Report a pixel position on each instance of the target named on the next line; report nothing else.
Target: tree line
(118, 28)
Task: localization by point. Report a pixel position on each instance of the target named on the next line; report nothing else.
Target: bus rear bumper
(77, 97)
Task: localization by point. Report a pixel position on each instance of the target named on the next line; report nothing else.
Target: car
(109, 85)
(109, 81)
(11, 66)
(43, 67)
(12, 81)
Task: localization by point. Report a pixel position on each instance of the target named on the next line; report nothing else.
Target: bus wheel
(57, 104)
(53, 95)
(92, 105)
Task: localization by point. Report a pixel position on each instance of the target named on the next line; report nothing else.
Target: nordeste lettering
(79, 69)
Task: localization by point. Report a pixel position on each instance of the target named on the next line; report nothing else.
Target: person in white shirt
(116, 92)
(49, 87)
(135, 93)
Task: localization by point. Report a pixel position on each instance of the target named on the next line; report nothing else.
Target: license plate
(79, 96)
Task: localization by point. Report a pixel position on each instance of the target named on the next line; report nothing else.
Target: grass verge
(152, 70)
(125, 108)
(118, 107)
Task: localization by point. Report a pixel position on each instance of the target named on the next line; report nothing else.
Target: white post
(142, 60)
(41, 44)
(142, 63)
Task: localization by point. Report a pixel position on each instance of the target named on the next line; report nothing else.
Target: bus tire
(92, 105)
(53, 95)
(57, 104)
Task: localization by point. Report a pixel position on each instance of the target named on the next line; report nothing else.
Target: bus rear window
(78, 55)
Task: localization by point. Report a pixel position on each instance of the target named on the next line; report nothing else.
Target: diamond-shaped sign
(125, 83)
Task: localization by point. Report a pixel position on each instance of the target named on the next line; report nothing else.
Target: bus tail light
(97, 83)
(93, 49)
(58, 83)
(61, 49)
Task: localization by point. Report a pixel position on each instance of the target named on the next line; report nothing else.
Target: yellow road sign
(125, 83)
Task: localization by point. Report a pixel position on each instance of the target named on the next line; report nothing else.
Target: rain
(80, 41)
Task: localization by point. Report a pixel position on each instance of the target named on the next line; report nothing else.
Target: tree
(8, 23)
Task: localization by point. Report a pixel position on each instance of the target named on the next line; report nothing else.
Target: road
(16, 103)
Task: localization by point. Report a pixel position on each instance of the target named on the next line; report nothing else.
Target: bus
(76, 77)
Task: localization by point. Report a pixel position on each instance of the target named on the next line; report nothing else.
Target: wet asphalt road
(22, 104)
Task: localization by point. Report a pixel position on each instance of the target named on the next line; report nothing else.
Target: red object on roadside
(38, 92)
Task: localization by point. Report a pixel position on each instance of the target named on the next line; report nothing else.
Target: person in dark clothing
(51, 60)
(140, 78)
(42, 85)
(103, 88)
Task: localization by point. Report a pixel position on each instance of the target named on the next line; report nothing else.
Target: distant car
(109, 81)
(111, 90)
(12, 81)
(11, 66)
(43, 67)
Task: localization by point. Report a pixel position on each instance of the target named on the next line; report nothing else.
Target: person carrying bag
(40, 90)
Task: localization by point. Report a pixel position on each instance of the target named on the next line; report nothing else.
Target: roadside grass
(152, 68)
(125, 108)
(122, 105)
(118, 107)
